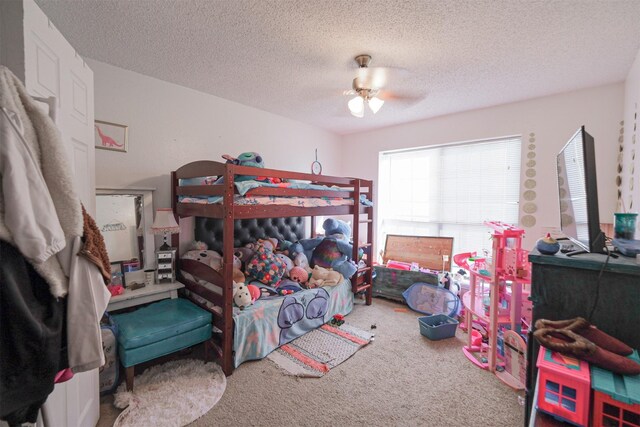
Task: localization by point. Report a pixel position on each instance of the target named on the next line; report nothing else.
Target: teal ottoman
(158, 329)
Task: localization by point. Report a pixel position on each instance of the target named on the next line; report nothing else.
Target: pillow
(266, 267)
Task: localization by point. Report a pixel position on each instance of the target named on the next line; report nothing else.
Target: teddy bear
(211, 258)
(334, 249)
(241, 295)
(323, 277)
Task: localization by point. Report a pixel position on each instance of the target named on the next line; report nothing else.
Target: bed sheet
(270, 323)
(244, 186)
(273, 200)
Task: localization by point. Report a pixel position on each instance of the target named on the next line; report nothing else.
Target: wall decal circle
(529, 195)
(530, 173)
(566, 219)
(618, 180)
(531, 163)
(532, 147)
(532, 134)
(530, 207)
(530, 183)
(528, 221)
(563, 206)
(532, 140)
(563, 193)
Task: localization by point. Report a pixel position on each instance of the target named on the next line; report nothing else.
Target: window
(450, 191)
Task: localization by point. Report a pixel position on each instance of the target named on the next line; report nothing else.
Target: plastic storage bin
(438, 326)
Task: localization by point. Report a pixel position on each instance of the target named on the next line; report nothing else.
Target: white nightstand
(144, 295)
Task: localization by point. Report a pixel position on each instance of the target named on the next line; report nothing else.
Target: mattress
(243, 187)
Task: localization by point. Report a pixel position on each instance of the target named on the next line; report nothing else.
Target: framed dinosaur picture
(111, 136)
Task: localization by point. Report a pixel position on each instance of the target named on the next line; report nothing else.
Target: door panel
(53, 68)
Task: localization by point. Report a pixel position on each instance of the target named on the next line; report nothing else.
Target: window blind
(450, 191)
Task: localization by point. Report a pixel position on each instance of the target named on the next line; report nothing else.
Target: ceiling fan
(367, 87)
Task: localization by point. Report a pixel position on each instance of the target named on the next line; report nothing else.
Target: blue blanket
(272, 322)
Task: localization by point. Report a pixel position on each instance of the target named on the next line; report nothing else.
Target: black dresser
(566, 287)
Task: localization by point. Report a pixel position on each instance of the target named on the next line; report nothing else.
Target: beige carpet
(401, 378)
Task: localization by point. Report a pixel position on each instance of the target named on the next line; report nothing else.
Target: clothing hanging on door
(31, 321)
(41, 218)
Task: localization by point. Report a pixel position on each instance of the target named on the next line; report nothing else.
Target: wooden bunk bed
(229, 211)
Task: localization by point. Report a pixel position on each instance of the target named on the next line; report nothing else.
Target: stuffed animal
(290, 249)
(211, 258)
(241, 295)
(337, 228)
(301, 260)
(333, 250)
(244, 254)
(288, 264)
(270, 243)
(238, 275)
(299, 274)
(199, 246)
(255, 293)
(323, 277)
(244, 159)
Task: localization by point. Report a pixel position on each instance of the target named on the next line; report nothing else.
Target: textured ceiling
(295, 57)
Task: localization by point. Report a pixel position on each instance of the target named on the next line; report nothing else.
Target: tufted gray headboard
(209, 230)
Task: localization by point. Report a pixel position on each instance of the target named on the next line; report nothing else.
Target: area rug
(318, 351)
(173, 394)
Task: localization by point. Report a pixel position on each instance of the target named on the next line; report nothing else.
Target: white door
(52, 68)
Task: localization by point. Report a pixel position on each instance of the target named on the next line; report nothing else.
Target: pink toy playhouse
(616, 398)
(564, 387)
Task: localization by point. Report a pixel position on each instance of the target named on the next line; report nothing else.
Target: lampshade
(165, 222)
(375, 104)
(356, 106)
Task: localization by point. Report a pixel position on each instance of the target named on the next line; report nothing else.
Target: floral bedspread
(272, 322)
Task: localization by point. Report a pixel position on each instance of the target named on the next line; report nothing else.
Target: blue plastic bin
(438, 326)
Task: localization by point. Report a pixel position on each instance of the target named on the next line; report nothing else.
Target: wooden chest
(433, 253)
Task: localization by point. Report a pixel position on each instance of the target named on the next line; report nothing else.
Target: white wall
(631, 149)
(551, 120)
(170, 125)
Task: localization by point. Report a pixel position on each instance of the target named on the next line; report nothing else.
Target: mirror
(124, 217)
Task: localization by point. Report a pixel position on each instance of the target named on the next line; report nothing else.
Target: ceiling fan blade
(373, 77)
(406, 98)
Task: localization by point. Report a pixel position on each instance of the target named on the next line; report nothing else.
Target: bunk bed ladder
(362, 280)
(227, 271)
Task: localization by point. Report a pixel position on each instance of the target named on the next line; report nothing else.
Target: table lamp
(165, 224)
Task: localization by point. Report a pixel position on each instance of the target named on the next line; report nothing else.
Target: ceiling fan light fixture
(356, 106)
(375, 104)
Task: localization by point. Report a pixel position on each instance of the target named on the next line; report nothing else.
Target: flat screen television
(577, 188)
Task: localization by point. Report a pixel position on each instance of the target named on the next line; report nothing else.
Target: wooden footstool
(159, 329)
